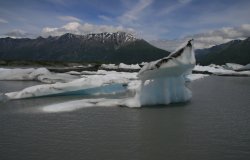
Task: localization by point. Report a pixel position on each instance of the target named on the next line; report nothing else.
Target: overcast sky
(208, 21)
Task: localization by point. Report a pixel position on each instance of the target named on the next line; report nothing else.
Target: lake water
(214, 125)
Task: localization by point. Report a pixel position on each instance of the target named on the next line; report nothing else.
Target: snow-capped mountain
(98, 47)
(119, 38)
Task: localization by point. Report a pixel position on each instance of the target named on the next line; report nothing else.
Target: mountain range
(101, 47)
(111, 48)
(236, 51)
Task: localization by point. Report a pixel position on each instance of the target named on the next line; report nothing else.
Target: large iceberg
(163, 81)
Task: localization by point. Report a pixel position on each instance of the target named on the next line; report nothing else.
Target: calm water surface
(214, 125)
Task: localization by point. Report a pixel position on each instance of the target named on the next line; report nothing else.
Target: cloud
(17, 33)
(58, 2)
(208, 39)
(168, 45)
(3, 21)
(173, 7)
(85, 28)
(105, 18)
(223, 35)
(133, 13)
(184, 1)
(69, 18)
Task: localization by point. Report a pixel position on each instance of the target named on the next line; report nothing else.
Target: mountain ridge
(235, 51)
(96, 47)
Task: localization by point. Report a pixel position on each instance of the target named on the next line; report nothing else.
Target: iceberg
(163, 81)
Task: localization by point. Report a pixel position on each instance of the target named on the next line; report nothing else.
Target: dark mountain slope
(236, 51)
(103, 47)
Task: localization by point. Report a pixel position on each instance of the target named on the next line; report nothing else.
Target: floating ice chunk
(218, 70)
(39, 74)
(68, 106)
(163, 81)
(244, 68)
(193, 77)
(232, 66)
(109, 66)
(132, 66)
(85, 103)
(211, 69)
(16, 74)
(93, 84)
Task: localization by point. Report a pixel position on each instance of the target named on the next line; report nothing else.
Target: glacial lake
(214, 125)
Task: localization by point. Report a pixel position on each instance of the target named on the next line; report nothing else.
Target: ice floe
(39, 74)
(94, 84)
(219, 70)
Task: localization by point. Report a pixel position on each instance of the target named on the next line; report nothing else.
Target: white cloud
(18, 33)
(169, 45)
(85, 28)
(105, 18)
(3, 21)
(184, 1)
(58, 2)
(133, 13)
(69, 18)
(174, 7)
(208, 39)
(223, 35)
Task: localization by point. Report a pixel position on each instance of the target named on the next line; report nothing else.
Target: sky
(163, 22)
